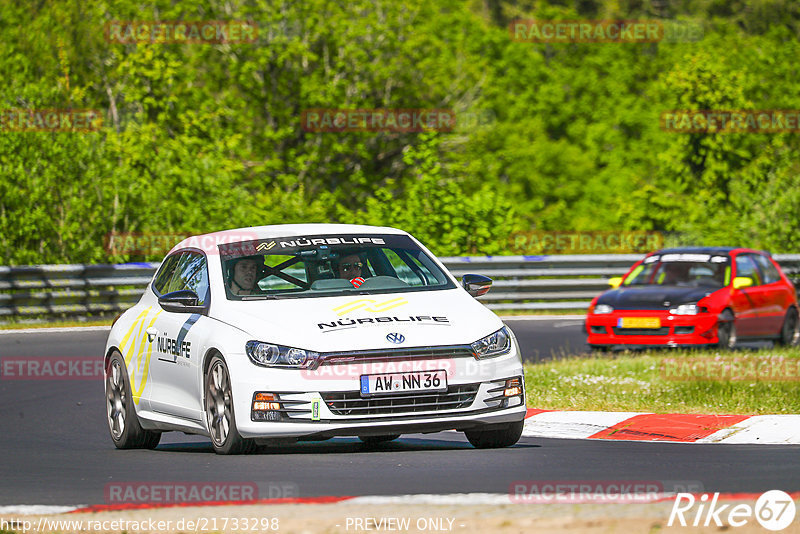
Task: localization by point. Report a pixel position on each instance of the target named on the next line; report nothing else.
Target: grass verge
(670, 381)
(515, 313)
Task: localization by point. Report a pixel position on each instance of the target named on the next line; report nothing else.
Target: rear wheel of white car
(504, 436)
(219, 411)
(123, 424)
(790, 332)
(375, 440)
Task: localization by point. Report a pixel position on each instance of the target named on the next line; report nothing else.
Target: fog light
(513, 387)
(266, 407)
(711, 332)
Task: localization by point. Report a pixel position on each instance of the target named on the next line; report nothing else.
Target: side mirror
(615, 282)
(742, 281)
(183, 301)
(476, 284)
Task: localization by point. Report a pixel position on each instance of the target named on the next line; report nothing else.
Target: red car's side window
(769, 272)
(746, 267)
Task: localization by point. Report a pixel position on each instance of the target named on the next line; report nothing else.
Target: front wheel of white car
(495, 438)
(219, 411)
(123, 424)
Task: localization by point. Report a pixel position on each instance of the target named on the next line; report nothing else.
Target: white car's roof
(281, 230)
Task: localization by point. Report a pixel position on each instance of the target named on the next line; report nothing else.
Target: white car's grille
(382, 355)
(351, 403)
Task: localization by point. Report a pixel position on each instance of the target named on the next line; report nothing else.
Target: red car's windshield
(687, 270)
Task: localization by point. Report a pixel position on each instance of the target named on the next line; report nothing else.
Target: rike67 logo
(774, 510)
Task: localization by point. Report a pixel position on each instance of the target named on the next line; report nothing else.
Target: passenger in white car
(349, 268)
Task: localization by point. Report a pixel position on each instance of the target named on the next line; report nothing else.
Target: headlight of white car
(493, 344)
(271, 355)
(602, 309)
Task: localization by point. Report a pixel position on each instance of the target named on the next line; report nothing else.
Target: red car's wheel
(726, 331)
(790, 332)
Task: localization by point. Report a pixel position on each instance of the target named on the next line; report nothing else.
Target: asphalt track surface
(55, 447)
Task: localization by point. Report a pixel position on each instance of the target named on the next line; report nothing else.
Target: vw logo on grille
(395, 338)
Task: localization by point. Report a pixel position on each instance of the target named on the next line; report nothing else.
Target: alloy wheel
(115, 400)
(218, 403)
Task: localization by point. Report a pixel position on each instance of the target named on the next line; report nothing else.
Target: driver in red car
(674, 273)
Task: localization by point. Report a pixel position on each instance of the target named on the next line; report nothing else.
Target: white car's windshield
(324, 265)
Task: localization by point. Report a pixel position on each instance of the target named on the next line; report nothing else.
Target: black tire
(726, 331)
(600, 349)
(375, 440)
(504, 436)
(220, 417)
(123, 424)
(790, 331)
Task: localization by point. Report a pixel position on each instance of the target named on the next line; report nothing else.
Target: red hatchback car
(696, 296)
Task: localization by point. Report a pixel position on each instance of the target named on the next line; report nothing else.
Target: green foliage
(201, 137)
(438, 211)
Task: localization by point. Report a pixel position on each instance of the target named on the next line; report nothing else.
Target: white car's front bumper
(327, 402)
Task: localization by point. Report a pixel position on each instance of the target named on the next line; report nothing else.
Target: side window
(768, 270)
(195, 276)
(745, 266)
(165, 273)
(410, 270)
(402, 269)
(188, 271)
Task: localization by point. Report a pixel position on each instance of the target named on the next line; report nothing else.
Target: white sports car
(276, 334)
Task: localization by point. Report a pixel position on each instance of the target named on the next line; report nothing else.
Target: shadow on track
(338, 446)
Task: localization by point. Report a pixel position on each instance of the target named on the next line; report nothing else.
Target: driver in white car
(243, 280)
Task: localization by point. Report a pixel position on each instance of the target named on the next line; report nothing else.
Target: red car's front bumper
(673, 330)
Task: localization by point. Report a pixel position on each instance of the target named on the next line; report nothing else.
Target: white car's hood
(424, 318)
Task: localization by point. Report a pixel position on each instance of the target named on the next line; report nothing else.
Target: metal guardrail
(63, 290)
(566, 282)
